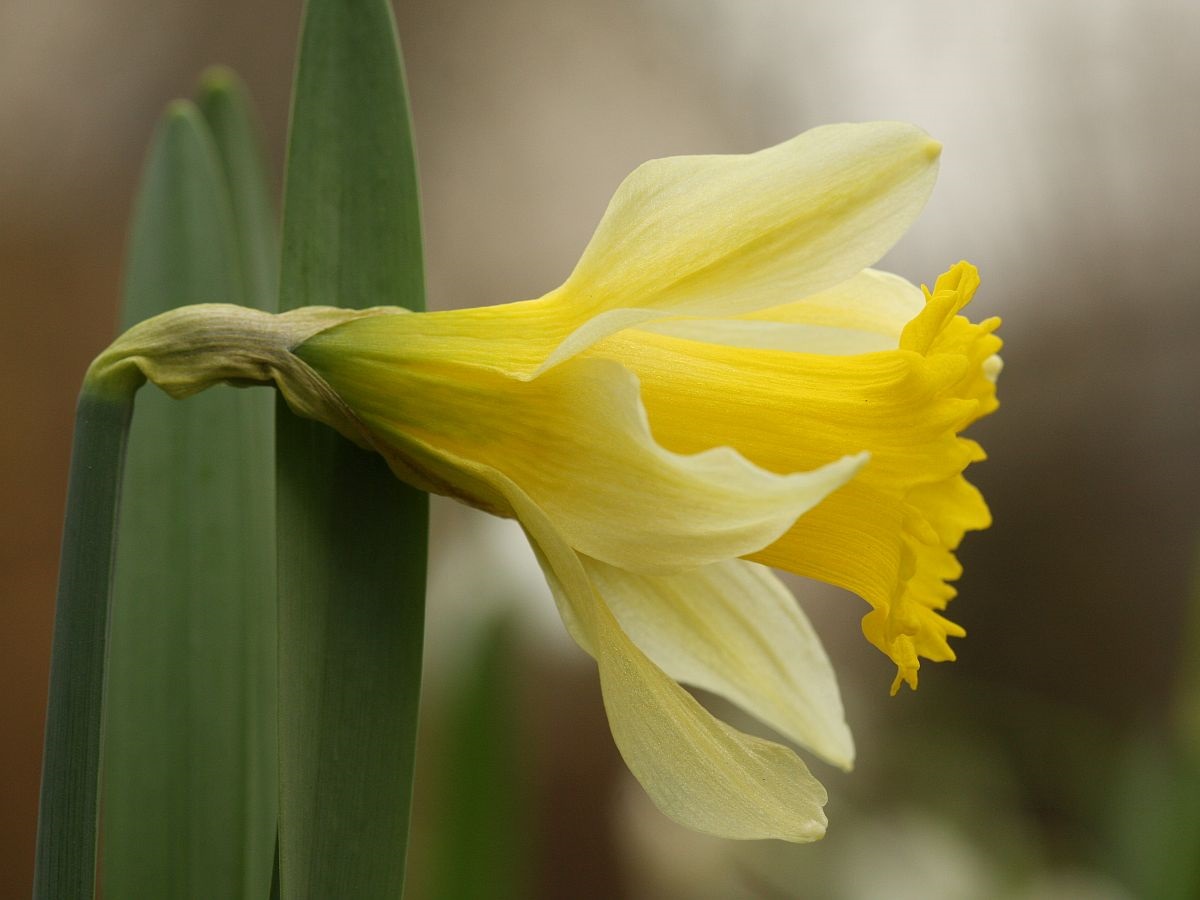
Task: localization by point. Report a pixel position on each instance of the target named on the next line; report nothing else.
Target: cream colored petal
(697, 770)
(864, 314)
(723, 235)
(734, 629)
(616, 494)
(578, 442)
(872, 301)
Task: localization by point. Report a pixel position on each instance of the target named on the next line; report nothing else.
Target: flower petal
(734, 629)
(578, 442)
(790, 336)
(864, 314)
(874, 302)
(722, 235)
(699, 771)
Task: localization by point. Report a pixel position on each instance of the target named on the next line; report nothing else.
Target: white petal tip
(843, 755)
(854, 463)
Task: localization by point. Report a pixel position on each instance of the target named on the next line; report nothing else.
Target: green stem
(67, 818)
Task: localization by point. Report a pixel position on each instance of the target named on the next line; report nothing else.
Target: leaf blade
(483, 810)
(352, 538)
(226, 106)
(189, 778)
(68, 807)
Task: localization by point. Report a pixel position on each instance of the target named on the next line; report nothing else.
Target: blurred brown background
(1070, 177)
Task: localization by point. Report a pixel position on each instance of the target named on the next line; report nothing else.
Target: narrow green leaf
(189, 800)
(66, 843)
(481, 850)
(352, 539)
(226, 107)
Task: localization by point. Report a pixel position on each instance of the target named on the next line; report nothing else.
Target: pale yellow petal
(577, 441)
(864, 314)
(872, 301)
(723, 235)
(699, 771)
(734, 629)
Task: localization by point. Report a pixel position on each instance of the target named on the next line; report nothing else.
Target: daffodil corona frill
(721, 385)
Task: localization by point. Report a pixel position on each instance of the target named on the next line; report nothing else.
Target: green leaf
(226, 107)
(66, 842)
(189, 795)
(352, 539)
(231, 117)
(481, 849)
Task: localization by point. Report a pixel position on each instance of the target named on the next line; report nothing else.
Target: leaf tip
(219, 79)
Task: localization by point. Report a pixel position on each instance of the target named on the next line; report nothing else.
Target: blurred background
(1058, 756)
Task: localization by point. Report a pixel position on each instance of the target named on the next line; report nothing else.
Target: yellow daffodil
(720, 385)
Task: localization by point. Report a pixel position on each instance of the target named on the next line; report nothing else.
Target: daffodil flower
(721, 385)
